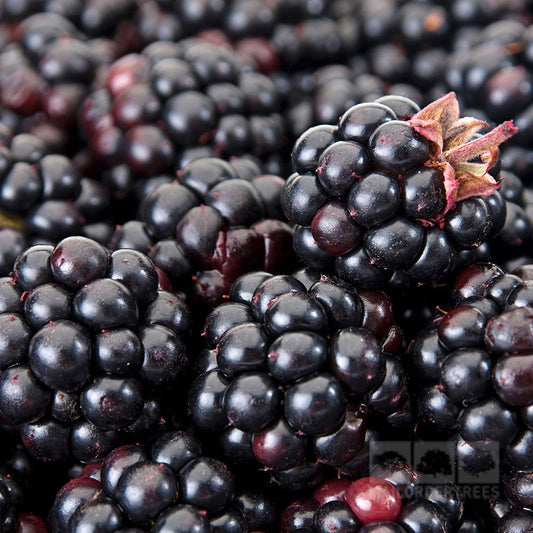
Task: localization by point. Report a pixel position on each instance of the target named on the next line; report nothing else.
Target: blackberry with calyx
(90, 347)
(291, 369)
(380, 198)
(166, 485)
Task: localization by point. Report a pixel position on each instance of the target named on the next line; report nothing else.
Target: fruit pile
(266, 266)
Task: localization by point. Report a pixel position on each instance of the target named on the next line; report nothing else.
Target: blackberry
(13, 243)
(154, 108)
(12, 517)
(43, 195)
(513, 244)
(212, 225)
(169, 484)
(89, 350)
(383, 200)
(475, 364)
(517, 520)
(278, 35)
(405, 53)
(92, 17)
(331, 89)
(493, 88)
(286, 367)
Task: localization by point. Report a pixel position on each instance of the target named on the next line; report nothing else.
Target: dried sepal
(462, 131)
(464, 160)
(8, 220)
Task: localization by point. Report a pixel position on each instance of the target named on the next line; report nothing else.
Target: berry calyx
(454, 149)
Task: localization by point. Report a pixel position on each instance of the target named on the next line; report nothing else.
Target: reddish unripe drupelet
(372, 499)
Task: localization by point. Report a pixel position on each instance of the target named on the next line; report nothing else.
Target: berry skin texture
(395, 147)
(372, 499)
(93, 263)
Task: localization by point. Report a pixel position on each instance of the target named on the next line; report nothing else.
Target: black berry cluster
(393, 499)
(383, 196)
(288, 361)
(474, 362)
(51, 53)
(180, 293)
(88, 346)
(218, 220)
(19, 483)
(278, 36)
(175, 102)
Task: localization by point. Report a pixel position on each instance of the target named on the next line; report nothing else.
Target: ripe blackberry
(286, 367)
(89, 348)
(475, 363)
(12, 518)
(155, 108)
(13, 243)
(216, 222)
(284, 36)
(44, 196)
(513, 244)
(169, 485)
(384, 198)
(487, 73)
(92, 17)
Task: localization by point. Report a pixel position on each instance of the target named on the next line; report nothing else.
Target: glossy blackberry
(91, 347)
(155, 106)
(293, 363)
(211, 225)
(511, 247)
(516, 520)
(496, 70)
(324, 95)
(381, 199)
(280, 35)
(24, 494)
(11, 497)
(13, 243)
(168, 485)
(475, 365)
